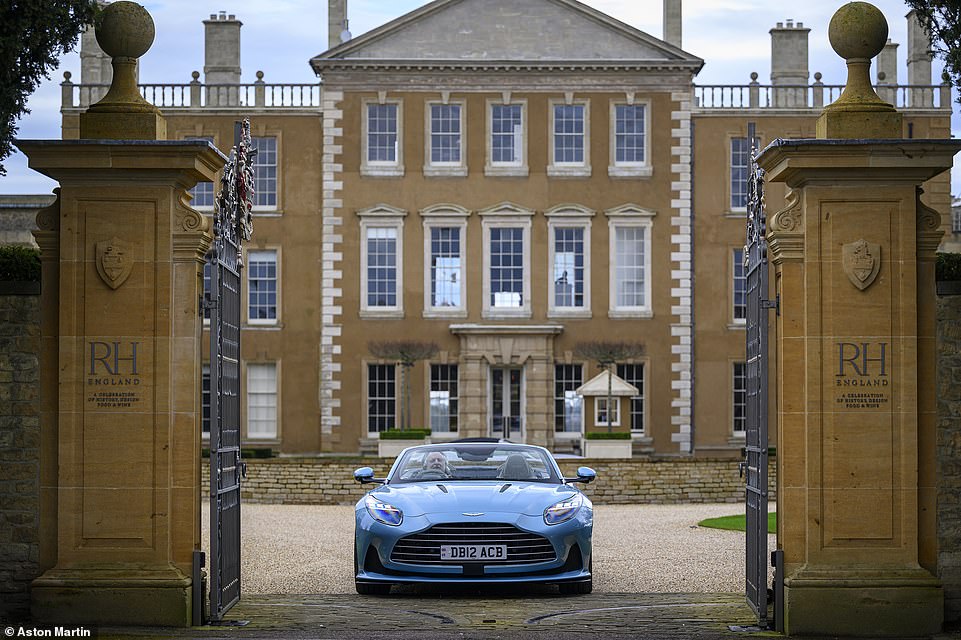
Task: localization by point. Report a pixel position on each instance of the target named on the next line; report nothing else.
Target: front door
(506, 405)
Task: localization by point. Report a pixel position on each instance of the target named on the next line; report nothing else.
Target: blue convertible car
(473, 512)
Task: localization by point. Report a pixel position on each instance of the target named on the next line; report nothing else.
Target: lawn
(737, 522)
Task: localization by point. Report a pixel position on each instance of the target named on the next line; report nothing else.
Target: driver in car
(436, 463)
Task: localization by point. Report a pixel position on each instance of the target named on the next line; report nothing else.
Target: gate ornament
(862, 262)
(233, 221)
(113, 261)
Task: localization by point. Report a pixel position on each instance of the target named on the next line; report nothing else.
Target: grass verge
(737, 522)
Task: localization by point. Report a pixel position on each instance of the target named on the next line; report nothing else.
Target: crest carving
(114, 261)
(862, 262)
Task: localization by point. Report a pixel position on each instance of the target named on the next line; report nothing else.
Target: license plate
(476, 552)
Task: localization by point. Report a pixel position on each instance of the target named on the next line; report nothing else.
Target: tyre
(372, 589)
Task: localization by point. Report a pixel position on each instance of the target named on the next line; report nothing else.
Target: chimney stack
(672, 22)
(789, 63)
(336, 23)
(887, 72)
(222, 58)
(919, 51)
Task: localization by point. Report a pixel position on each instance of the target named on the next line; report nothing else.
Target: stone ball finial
(858, 30)
(125, 30)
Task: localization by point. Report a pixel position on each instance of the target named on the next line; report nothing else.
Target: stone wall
(949, 453)
(19, 451)
(670, 481)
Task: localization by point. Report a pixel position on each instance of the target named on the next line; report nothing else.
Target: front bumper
(571, 541)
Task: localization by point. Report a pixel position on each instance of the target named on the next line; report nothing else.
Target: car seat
(515, 468)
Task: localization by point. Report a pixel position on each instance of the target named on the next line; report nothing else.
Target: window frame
(518, 168)
(365, 398)
(382, 217)
(381, 168)
(277, 401)
(569, 434)
(205, 393)
(444, 169)
(739, 210)
(568, 216)
(276, 207)
(262, 322)
(503, 216)
(616, 403)
(452, 415)
(630, 216)
(644, 396)
(568, 169)
(736, 322)
(734, 390)
(623, 169)
(444, 216)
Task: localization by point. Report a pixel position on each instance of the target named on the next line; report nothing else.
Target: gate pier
(122, 257)
(854, 249)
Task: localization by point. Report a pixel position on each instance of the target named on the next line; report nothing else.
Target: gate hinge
(207, 303)
(772, 304)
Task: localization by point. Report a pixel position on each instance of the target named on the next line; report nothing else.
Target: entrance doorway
(506, 402)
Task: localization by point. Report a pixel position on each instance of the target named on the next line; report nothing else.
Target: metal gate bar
(231, 228)
(756, 378)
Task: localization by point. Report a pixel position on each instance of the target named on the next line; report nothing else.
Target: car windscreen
(488, 462)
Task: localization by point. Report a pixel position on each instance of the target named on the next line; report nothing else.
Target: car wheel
(370, 589)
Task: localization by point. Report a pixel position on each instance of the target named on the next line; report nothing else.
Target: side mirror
(364, 475)
(585, 475)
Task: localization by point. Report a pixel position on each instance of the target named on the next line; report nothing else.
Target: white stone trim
(445, 169)
(506, 215)
(382, 217)
(331, 266)
(629, 169)
(505, 169)
(682, 251)
(445, 215)
(569, 217)
(568, 169)
(382, 169)
(621, 217)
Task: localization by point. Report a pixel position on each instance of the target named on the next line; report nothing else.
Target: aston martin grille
(522, 547)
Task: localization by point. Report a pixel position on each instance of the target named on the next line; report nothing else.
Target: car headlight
(563, 510)
(383, 512)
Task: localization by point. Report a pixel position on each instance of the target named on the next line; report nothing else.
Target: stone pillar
(222, 59)
(672, 22)
(789, 64)
(853, 250)
(120, 407)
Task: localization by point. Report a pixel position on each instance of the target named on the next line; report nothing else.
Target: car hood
(422, 498)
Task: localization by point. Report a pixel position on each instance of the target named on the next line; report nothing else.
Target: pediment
(597, 386)
(381, 211)
(482, 31)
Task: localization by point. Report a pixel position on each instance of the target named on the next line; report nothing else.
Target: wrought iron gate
(756, 379)
(232, 227)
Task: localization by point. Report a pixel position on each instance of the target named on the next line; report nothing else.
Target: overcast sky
(280, 36)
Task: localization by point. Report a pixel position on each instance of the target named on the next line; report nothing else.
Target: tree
(406, 353)
(942, 20)
(33, 35)
(607, 353)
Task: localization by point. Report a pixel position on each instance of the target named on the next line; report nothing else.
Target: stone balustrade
(196, 95)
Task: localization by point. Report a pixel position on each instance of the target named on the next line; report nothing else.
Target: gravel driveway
(637, 548)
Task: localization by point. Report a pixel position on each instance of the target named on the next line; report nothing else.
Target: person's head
(435, 461)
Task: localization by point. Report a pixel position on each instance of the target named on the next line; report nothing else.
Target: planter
(392, 448)
(949, 287)
(606, 448)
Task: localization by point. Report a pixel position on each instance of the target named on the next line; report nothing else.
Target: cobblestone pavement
(528, 614)
(515, 613)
